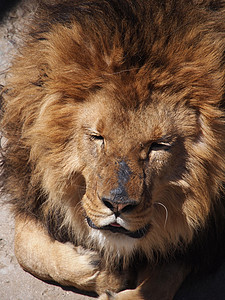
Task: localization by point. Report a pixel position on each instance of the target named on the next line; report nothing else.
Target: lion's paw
(90, 257)
(108, 296)
(76, 266)
(124, 295)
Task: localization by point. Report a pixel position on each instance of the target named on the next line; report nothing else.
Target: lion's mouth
(116, 228)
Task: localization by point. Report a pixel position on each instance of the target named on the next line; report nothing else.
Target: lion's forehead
(152, 121)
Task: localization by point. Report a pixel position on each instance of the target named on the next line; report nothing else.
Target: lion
(114, 164)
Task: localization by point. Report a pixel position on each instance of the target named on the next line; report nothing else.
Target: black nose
(120, 205)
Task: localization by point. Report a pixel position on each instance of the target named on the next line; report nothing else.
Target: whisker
(167, 214)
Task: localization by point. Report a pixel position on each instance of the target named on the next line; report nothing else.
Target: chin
(114, 242)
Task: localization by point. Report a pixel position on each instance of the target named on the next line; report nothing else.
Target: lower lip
(115, 225)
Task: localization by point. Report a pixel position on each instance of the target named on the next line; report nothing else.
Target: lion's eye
(160, 146)
(97, 138)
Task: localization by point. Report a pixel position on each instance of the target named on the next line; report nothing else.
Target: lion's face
(134, 161)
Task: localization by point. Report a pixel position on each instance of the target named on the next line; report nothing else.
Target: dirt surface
(16, 284)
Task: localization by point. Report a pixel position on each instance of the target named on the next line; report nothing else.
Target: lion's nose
(119, 206)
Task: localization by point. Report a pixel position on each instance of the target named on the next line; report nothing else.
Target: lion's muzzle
(118, 199)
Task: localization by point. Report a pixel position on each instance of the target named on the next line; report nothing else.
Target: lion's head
(134, 160)
(117, 134)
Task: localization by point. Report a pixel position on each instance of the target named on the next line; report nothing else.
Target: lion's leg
(160, 284)
(48, 259)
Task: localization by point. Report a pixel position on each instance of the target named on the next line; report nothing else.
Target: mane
(120, 43)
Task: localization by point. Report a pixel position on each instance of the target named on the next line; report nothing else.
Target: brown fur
(118, 101)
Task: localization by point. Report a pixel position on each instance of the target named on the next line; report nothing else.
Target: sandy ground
(16, 284)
